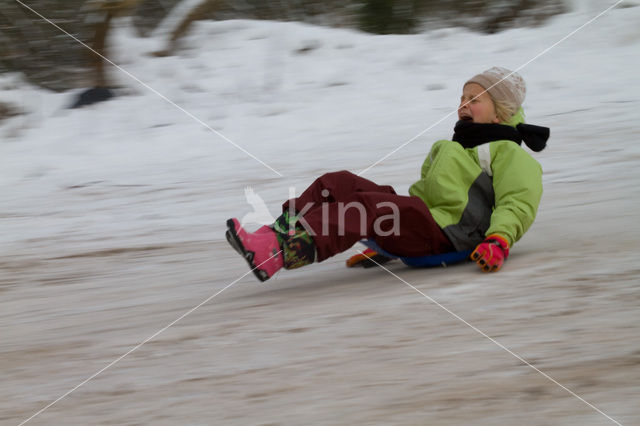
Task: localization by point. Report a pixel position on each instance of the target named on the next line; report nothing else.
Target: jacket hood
(517, 118)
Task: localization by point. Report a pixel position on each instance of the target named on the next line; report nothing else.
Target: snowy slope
(114, 214)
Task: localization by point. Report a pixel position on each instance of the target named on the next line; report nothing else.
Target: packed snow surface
(112, 227)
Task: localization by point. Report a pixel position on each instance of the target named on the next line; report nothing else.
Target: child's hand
(491, 253)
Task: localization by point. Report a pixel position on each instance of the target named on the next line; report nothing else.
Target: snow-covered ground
(112, 221)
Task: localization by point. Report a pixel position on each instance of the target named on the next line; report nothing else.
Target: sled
(442, 259)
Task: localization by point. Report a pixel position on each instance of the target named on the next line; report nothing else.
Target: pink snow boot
(260, 249)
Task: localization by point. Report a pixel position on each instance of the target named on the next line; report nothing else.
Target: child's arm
(517, 183)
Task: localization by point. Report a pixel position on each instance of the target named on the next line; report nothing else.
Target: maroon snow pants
(340, 208)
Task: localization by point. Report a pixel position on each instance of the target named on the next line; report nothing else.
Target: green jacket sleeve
(517, 183)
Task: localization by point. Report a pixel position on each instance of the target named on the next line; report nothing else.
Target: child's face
(476, 105)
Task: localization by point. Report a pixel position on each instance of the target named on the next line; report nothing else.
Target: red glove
(491, 253)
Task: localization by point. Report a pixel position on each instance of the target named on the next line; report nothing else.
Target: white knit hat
(503, 85)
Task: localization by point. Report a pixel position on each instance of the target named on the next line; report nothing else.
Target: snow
(114, 214)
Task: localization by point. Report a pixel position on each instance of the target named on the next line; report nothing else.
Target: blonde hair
(504, 109)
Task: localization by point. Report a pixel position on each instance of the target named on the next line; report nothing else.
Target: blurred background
(52, 60)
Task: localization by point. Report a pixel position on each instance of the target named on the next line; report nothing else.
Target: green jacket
(494, 188)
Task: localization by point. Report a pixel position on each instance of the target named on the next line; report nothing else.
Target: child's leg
(399, 224)
(336, 211)
(335, 186)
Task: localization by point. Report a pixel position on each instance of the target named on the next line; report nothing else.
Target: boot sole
(234, 241)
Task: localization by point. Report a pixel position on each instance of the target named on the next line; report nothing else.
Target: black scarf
(470, 135)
